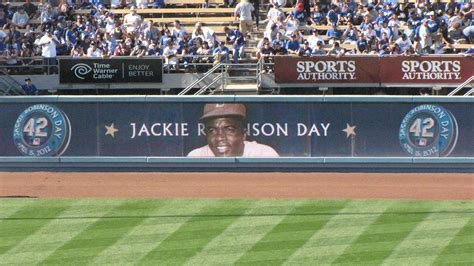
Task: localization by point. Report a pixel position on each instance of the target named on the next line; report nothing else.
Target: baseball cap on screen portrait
(223, 109)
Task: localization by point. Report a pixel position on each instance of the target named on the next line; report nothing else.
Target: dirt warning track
(240, 185)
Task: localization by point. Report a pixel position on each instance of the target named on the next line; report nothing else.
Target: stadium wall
(326, 133)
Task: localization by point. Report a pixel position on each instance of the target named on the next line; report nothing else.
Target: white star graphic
(350, 130)
(110, 130)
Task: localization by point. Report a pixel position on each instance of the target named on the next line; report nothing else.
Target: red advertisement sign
(327, 69)
(430, 70)
(426, 69)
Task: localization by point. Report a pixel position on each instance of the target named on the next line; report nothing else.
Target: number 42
(34, 127)
(428, 123)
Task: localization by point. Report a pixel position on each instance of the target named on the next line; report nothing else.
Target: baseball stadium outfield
(237, 218)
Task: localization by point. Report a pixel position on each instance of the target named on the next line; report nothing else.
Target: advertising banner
(426, 70)
(397, 70)
(249, 129)
(99, 70)
(327, 69)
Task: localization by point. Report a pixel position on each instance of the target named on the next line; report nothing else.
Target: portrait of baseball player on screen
(226, 133)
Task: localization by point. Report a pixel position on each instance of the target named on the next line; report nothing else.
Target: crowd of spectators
(385, 27)
(366, 27)
(63, 32)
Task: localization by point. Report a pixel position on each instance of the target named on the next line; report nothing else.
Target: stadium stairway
(242, 79)
(8, 85)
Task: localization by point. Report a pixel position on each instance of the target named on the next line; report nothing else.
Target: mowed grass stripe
(151, 232)
(26, 221)
(193, 235)
(241, 235)
(423, 245)
(379, 239)
(292, 232)
(461, 248)
(331, 241)
(10, 206)
(41, 244)
(105, 232)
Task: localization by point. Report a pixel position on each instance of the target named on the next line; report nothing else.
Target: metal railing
(208, 87)
(8, 85)
(211, 71)
(460, 87)
(260, 66)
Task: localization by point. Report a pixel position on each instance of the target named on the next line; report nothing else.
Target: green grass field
(235, 231)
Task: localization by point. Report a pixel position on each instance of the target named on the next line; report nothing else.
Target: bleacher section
(215, 17)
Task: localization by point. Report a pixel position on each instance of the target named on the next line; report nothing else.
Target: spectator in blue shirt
(409, 30)
(333, 16)
(154, 49)
(221, 53)
(334, 32)
(299, 13)
(293, 45)
(433, 22)
(384, 42)
(350, 34)
(29, 88)
(387, 10)
(317, 16)
(158, 3)
(71, 37)
(305, 50)
(165, 39)
(86, 5)
(380, 18)
(414, 19)
(235, 38)
(365, 24)
(361, 44)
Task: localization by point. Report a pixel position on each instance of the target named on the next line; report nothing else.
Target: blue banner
(249, 129)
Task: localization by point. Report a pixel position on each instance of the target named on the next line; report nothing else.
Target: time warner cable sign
(98, 70)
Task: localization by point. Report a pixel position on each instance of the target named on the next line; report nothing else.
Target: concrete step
(241, 89)
(241, 82)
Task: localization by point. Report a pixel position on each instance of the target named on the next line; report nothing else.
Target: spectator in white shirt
(115, 3)
(403, 43)
(314, 39)
(394, 25)
(20, 18)
(109, 22)
(243, 11)
(274, 13)
(48, 49)
(204, 34)
(425, 36)
(132, 21)
(142, 4)
(170, 54)
(278, 3)
(93, 51)
(178, 30)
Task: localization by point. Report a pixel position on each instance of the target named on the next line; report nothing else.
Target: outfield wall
(305, 132)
